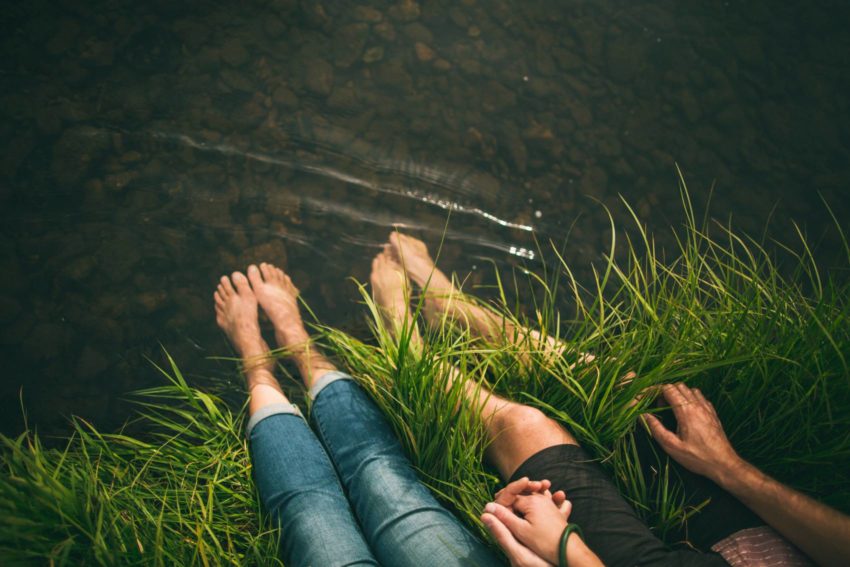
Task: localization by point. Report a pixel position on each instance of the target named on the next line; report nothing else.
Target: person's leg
(443, 299)
(296, 481)
(523, 441)
(402, 521)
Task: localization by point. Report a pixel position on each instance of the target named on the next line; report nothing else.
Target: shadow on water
(150, 147)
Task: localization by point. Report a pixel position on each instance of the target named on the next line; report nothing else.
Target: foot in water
(412, 255)
(391, 291)
(441, 296)
(236, 314)
(278, 297)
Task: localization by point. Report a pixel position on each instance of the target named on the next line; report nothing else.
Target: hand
(540, 527)
(508, 495)
(518, 554)
(699, 444)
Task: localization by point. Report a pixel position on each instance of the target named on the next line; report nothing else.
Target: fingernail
(490, 508)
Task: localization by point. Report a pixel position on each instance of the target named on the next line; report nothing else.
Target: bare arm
(701, 446)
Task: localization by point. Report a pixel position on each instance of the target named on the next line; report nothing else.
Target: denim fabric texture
(347, 495)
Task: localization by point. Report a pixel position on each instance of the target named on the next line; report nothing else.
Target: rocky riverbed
(148, 147)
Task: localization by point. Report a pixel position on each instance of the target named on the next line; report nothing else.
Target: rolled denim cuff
(327, 379)
(268, 411)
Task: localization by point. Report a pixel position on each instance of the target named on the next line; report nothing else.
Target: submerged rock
(237, 81)
(442, 65)
(319, 76)
(418, 32)
(385, 31)
(348, 43)
(424, 53)
(373, 54)
(152, 300)
(497, 97)
(405, 11)
(284, 96)
(343, 98)
(272, 251)
(392, 74)
(458, 17)
(367, 14)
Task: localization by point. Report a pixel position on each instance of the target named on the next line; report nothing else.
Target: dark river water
(148, 147)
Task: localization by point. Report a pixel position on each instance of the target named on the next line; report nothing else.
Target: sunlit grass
(180, 494)
(769, 346)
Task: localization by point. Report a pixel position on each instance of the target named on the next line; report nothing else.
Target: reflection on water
(149, 147)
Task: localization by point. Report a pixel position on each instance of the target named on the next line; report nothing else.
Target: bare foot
(442, 297)
(236, 314)
(278, 297)
(391, 290)
(412, 255)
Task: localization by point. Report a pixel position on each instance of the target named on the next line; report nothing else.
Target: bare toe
(219, 301)
(268, 272)
(241, 282)
(280, 274)
(226, 286)
(254, 276)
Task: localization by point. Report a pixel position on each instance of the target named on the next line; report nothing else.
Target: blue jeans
(347, 495)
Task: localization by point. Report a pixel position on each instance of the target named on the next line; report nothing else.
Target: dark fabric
(611, 528)
(722, 516)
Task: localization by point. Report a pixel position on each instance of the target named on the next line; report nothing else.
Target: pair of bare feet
(239, 297)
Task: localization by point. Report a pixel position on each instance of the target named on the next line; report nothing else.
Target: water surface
(149, 147)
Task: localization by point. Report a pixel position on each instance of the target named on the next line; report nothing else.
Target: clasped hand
(527, 520)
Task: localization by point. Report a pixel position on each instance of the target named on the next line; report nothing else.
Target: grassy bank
(770, 347)
(178, 494)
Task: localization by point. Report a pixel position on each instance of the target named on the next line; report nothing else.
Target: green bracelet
(562, 550)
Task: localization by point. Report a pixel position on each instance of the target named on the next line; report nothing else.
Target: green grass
(769, 346)
(180, 494)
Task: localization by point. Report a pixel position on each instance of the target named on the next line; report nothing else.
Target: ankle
(294, 338)
(259, 376)
(254, 357)
(433, 281)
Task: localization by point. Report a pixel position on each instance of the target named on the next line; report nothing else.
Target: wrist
(550, 551)
(576, 551)
(729, 473)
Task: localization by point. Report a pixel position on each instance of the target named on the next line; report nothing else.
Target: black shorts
(611, 527)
